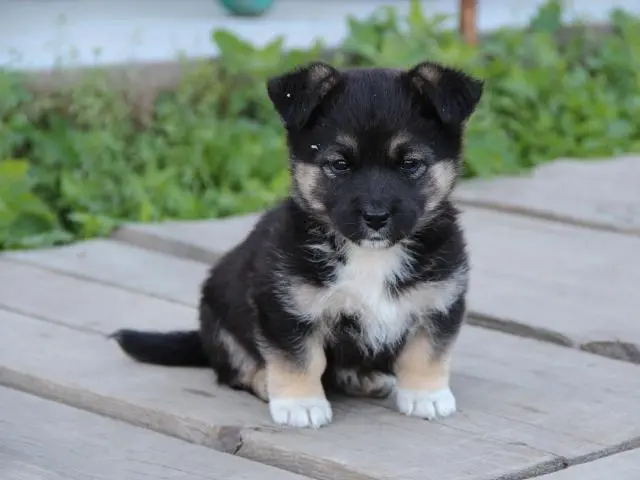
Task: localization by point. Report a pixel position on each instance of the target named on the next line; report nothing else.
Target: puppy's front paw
(301, 412)
(425, 403)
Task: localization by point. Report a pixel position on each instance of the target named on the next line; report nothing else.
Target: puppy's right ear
(454, 94)
(296, 94)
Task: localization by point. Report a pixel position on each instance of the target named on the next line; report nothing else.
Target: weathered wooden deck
(547, 373)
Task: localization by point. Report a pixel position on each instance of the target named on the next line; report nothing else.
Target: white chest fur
(361, 288)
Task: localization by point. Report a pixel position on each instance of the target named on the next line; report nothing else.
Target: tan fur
(418, 367)
(286, 379)
(442, 177)
(347, 141)
(397, 141)
(323, 77)
(259, 384)
(415, 152)
(306, 178)
(430, 73)
(250, 375)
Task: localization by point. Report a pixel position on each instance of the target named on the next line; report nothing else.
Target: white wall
(36, 34)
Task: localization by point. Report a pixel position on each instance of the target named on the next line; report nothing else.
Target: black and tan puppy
(357, 281)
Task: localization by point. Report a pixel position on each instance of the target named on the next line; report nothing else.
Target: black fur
(374, 153)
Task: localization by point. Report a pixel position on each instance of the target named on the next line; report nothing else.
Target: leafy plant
(25, 220)
(76, 163)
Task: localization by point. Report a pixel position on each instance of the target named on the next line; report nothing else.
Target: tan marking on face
(287, 379)
(442, 177)
(418, 367)
(347, 141)
(397, 141)
(306, 178)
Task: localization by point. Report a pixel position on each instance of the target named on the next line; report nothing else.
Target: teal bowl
(247, 7)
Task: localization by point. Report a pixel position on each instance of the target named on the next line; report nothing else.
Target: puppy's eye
(411, 166)
(339, 166)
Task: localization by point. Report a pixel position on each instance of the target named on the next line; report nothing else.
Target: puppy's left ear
(453, 93)
(296, 94)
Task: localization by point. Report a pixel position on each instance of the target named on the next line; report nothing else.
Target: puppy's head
(374, 152)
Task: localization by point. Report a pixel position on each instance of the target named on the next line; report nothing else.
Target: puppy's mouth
(375, 243)
(375, 239)
(363, 234)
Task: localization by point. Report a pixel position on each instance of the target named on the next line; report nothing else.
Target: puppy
(357, 281)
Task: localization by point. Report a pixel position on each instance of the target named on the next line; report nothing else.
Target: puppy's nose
(375, 218)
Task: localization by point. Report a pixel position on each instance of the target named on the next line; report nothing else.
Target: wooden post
(468, 20)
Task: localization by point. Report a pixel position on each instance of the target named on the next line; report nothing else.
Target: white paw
(425, 403)
(301, 412)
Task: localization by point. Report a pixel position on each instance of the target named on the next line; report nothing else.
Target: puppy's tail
(173, 349)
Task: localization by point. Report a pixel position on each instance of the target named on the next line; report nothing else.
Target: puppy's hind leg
(235, 366)
(363, 383)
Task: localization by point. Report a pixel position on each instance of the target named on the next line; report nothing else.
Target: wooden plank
(90, 373)
(197, 240)
(530, 277)
(127, 266)
(565, 283)
(544, 406)
(597, 193)
(85, 305)
(622, 466)
(49, 441)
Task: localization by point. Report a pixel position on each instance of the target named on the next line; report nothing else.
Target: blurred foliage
(76, 163)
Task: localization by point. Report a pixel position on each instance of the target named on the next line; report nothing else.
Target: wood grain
(49, 441)
(577, 283)
(560, 283)
(185, 238)
(126, 266)
(90, 306)
(601, 193)
(526, 408)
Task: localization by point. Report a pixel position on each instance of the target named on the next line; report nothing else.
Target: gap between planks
(473, 318)
(257, 443)
(231, 439)
(545, 215)
(67, 443)
(599, 194)
(153, 241)
(177, 279)
(623, 465)
(187, 422)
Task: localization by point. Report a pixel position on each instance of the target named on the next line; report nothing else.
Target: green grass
(75, 164)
